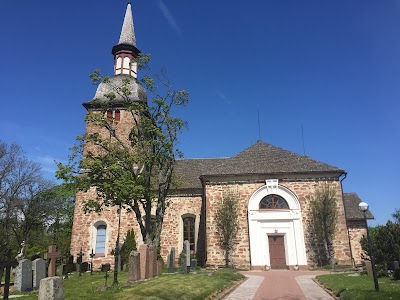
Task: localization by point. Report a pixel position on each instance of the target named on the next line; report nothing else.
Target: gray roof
(114, 85)
(351, 201)
(188, 171)
(127, 36)
(260, 158)
(263, 158)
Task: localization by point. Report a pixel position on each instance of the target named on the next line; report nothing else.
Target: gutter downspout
(345, 216)
(204, 199)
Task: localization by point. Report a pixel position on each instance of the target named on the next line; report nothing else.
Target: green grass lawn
(360, 287)
(167, 286)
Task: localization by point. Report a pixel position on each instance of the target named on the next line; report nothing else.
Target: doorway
(277, 251)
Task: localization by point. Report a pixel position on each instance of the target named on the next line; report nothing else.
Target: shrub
(128, 246)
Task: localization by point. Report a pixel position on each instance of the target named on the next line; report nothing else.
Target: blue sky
(332, 67)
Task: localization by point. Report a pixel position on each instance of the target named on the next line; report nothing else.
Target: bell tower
(98, 232)
(125, 52)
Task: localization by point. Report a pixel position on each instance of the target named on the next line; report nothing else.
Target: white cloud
(169, 17)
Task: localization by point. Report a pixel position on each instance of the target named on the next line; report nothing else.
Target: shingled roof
(263, 158)
(351, 201)
(260, 158)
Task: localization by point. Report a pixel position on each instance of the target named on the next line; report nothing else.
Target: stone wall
(83, 230)
(241, 254)
(356, 230)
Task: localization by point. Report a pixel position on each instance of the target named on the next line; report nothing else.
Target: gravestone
(144, 261)
(368, 267)
(85, 267)
(396, 265)
(52, 255)
(105, 268)
(92, 255)
(23, 276)
(60, 270)
(152, 261)
(38, 271)
(79, 262)
(134, 266)
(51, 288)
(182, 263)
(193, 264)
(7, 264)
(186, 248)
(171, 261)
(159, 267)
(69, 266)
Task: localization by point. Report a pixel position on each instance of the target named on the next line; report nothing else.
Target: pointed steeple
(125, 52)
(128, 30)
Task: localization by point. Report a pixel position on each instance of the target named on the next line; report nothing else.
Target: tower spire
(128, 30)
(125, 52)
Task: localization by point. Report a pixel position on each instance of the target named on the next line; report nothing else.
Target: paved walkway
(280, 284)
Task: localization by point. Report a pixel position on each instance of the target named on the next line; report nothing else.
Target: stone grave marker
(51, 288)
(60, 269)
(38, 271)
(105, 268)
(152, 261)
(368, 267)
(144, 261)
(159, 267)
(52, 255)
(70, 267)
(396, 265)
(92, 255)
(134, 266)
(193, 264)
(85, 267)
(171, 261)
(23, 276)
(182, 263)
(8, 264)
(186, 247)
(79, 262)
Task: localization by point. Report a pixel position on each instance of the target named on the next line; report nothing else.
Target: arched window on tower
(126, 65)
(189, 230)
(273, 202)
(101, 233)
(117, 115)
(109, 115)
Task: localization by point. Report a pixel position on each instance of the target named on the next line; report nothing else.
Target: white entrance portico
(268, 223)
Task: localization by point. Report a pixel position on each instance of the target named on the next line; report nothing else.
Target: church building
(273, 186)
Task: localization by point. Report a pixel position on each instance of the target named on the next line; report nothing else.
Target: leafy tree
(385, 240)
(30, 206)
(322, 223)
(128, 246)
(396, 216)
(227, 223)
(23, 210)
(131, 172)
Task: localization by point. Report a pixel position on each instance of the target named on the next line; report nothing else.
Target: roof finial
(128, 32)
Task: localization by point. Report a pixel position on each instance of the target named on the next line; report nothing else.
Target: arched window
(109, 115)
(117, 115)
(273, 202)
(126, 65)
(189, 230)
(101, 239)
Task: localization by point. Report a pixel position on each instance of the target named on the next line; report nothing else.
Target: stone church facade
(273, 187)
